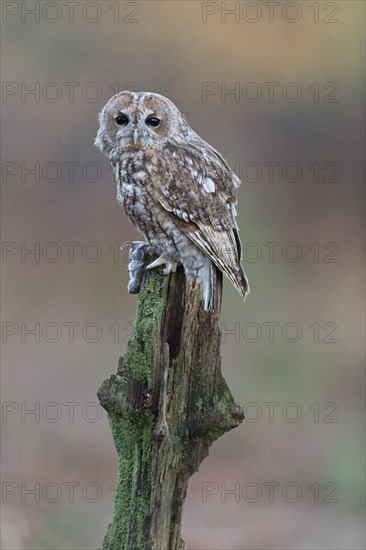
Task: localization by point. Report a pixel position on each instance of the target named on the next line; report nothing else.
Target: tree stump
(166, 405)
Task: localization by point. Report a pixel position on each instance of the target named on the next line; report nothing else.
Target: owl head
(136, 121)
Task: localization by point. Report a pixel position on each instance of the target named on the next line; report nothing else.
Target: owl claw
(167, 270)
(163, 260)
(171, 267)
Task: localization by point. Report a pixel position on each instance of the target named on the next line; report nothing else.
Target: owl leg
(163, 260)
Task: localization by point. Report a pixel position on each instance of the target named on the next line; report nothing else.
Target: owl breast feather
(134, 192)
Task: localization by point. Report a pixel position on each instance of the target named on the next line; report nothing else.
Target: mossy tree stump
(167, 404)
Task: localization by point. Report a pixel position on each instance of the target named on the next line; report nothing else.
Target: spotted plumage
(176, 189)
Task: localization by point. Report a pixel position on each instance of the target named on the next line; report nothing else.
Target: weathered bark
(167, 403)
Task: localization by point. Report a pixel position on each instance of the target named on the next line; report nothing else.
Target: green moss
(132, 429)
(199, 403)
(132, 504)
(138, 357)
(221, 401)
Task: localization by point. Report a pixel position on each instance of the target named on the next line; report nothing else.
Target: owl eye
(121, 119)
(152, 121)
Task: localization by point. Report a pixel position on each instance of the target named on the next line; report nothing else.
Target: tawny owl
(176, 189)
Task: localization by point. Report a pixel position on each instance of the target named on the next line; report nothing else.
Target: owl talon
(163, 260)
(171, 267)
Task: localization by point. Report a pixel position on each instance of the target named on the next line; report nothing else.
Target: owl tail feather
(212, 288)
(239, 280)
(243, 286)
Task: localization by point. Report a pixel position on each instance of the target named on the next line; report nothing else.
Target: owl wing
(194, 183)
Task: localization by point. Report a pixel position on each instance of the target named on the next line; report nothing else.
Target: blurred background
(278, 89)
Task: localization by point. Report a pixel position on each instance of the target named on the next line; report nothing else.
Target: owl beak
(135, 136)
